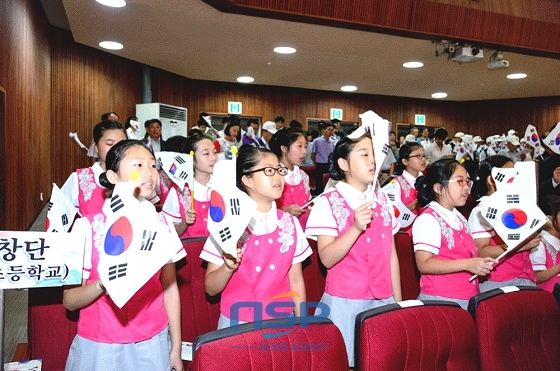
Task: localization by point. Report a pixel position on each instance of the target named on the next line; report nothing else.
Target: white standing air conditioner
(173, 119)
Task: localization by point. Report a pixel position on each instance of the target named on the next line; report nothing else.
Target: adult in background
(231, 132)
(438, 150)
(250, 137)
(268, 130)
(153, 138)
(549, 173)
(279, 121)
(323, 146)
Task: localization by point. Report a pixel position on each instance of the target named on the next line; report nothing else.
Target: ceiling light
(111, 45)
(245, 79)
(284, 50)
(413, 64)
(112, 3)
(516, 76)
(439, 95)
(349, 88)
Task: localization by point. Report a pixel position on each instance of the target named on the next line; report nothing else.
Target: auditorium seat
(313, 345)
(518, 329)
(416, 335)
(410, 276)
(556, 292)
(51, 327)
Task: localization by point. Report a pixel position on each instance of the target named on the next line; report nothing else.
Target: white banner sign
(40, 259)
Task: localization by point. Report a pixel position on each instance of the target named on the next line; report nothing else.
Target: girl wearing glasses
(267, 268)
(516, 269)
(412, 163)
(445, 252)
(354, 227)
(290, 146)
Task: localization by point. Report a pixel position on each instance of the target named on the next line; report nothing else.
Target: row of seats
(49, 320)
(513, 329)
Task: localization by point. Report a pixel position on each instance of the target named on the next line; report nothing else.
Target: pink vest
(142, 317)
(408, 195)
(263, 272)
(296, 194)
(454, 245)
(511, 267)
(365, 272)
(200, 226)
(90, 196)
(551, 261)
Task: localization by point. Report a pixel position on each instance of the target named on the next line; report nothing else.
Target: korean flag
(513, 214)
(137, 242)
(178, 166)
(553, 139)
(61, 212)
(230, 209)
(402, 213)
(532, 139)
(505, 178)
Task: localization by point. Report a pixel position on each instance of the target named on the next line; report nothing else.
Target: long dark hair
(480, 185)
(284, 137)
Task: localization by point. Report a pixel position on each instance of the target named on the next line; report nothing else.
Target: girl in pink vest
(446, 254)
(354, 227)
(191, 218)
(267, 268)
(82, 187)
(290, 145)
(545, 258)
(512, 270)
(136, 336)
(412, 163)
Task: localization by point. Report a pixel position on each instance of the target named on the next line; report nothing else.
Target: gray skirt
(490, 285)
(147, 355)
(343, 314)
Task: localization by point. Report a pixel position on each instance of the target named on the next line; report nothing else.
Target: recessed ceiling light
(245, 79)
(111, 45)
(516, 76)
(284, 50)
(112, 3)
(349, 88)
(413, 64)
(439, 95)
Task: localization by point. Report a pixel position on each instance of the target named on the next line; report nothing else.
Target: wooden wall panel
(86, 83)
(515, 26)
(25, 76)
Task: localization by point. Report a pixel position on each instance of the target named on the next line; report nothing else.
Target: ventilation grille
(172, 113)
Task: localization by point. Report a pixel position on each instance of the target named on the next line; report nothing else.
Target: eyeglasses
(461, 182)
(270, 171)
(420, 157)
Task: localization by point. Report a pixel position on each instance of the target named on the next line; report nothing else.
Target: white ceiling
(191, 38)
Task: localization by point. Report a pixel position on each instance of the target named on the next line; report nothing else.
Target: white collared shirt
(410, 179)
(72, 185)
(293, 177)
(426, 231)
(538, 254)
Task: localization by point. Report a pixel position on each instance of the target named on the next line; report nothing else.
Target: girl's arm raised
(395, 274)
(332, 249)
(81, 296)
(427, 264)
(297, 284)
(217, 276)
(172, 304)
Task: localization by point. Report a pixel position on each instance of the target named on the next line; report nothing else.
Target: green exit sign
(235, 108)
(419, 119)
(336, 113)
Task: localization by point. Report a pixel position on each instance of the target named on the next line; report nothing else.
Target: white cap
(511, 132)
(513, 139)
(497, 138)
(478, 139)
(468, 138)
(270, 127)
(410, 138)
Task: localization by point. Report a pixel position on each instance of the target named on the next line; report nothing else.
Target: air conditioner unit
(466, 54)
(173, 119)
